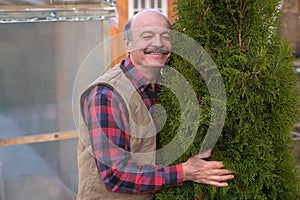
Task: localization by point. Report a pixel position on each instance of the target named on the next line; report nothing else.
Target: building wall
(291, 24)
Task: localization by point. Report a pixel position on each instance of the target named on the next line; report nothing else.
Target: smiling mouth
(156, 51)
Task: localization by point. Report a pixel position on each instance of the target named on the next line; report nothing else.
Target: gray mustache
(157, 50)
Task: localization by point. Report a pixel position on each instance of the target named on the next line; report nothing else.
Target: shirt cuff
(174, 175)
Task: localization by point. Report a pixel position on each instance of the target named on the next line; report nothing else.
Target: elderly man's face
(150, 40)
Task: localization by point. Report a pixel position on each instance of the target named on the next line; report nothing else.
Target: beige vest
(142, 139)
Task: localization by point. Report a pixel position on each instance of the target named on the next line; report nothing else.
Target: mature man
(116, 150)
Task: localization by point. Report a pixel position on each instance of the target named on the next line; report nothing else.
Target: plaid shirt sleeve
(107, 124)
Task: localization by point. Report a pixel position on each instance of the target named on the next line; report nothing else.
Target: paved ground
(296, 145)
(296, 142)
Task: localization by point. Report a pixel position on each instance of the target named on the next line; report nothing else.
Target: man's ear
(127, 45)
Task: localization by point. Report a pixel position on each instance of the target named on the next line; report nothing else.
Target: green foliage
(243, 38)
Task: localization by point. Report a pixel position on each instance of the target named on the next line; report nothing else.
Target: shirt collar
(136, 77)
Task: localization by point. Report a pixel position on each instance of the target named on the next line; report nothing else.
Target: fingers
(214, 179)
(215, 183)
(214, 172)
(218, 181)
(214, 165)
(206, 154)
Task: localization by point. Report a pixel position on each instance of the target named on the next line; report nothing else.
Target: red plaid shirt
(106, 119)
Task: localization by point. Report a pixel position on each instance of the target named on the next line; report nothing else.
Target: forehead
(150, 20)
(149, 30)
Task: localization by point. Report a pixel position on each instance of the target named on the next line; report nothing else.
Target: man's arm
(105, 116)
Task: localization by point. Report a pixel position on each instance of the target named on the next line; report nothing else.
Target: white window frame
(132, 10)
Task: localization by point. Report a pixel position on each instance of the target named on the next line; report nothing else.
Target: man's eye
(147, 36)
(166, 37)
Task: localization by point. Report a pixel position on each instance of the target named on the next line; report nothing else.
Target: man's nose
(157, 41)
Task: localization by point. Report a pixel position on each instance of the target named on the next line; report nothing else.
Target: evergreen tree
(244, 40)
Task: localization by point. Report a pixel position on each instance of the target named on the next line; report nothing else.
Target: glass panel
(38, 65)
(143, 3)
(1, 182)
(136, 3)
(39, 173)
(152, 4)
(297, 51)
(158, 3)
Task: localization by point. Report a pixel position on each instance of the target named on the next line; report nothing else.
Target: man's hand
(207, 172)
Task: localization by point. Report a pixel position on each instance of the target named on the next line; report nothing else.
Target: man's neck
(150, 73)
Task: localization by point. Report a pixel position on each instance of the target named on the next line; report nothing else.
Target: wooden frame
(47, 137)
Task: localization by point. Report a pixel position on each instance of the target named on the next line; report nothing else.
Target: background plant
(244, 40)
